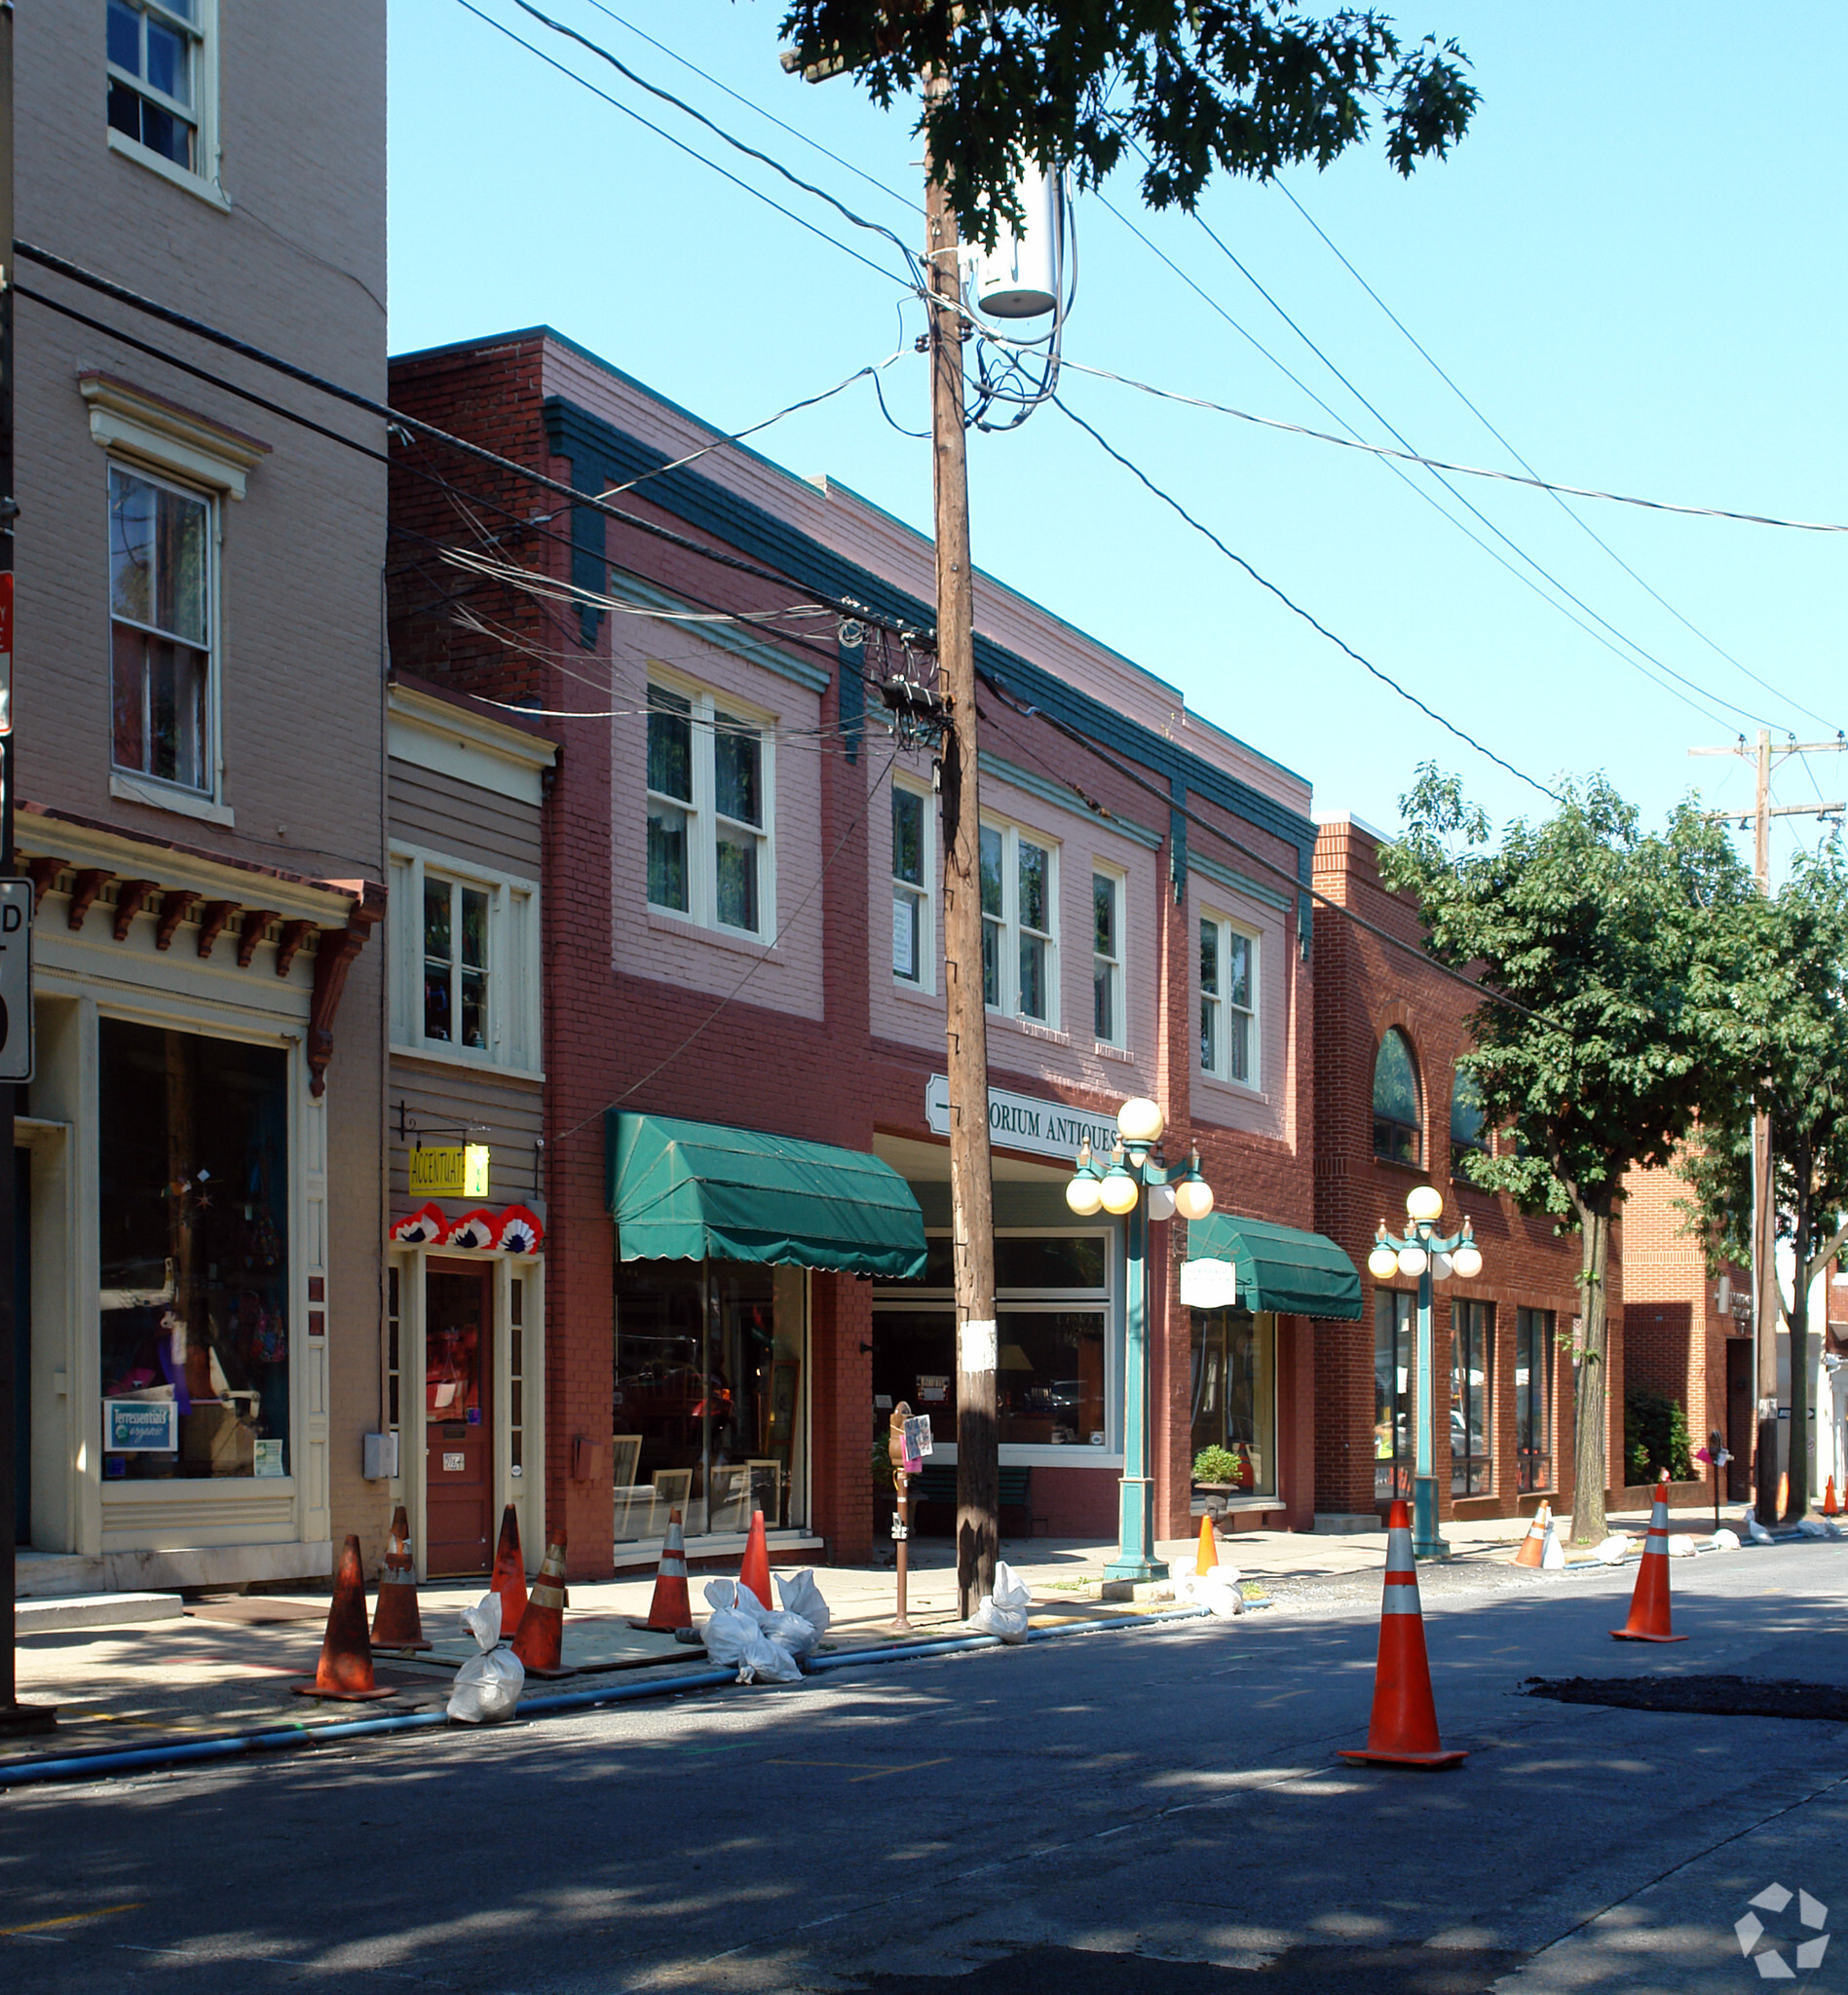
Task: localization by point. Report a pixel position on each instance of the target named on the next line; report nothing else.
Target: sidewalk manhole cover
(1720, 1697)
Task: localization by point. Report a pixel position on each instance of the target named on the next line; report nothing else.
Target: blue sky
(1632, 267)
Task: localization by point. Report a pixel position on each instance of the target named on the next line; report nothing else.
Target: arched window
(1398, 1110)
(1467, 1132)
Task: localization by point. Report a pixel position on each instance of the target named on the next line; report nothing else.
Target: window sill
(914, 993)
(1106, 1051)
(1031, 1028)
(720, 939)
(159, 795)
(145, 156)
(1242, 1089)
(442, 1054)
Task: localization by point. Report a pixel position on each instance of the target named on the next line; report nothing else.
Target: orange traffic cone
(754, 1574)
(395, 1621)
(1649, 1605)
(1784, 1496)
(510, 1573)
(1534, 1546)
(1831, 1508)
(1207, 1556)
(540, 1643)
(1403, 1731)
(345, 1670)
(670, 1611)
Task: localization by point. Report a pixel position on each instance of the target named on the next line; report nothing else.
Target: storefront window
(1234, 1394)
(1533, 1398)
(706, 1395)
(192, 1152)
(1049, 1382)
(1472, 1353)
(1395, 1318)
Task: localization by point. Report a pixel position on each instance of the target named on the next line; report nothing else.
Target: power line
(1392, 459)
(1533, 477)
(1340, 643)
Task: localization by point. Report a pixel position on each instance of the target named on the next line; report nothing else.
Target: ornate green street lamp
(1422, 1254)
(1138, 1185)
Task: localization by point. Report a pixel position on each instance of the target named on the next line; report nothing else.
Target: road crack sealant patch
(1721, 1697)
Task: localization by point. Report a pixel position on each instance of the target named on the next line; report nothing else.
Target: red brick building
(741, 955)
(1389, 1027)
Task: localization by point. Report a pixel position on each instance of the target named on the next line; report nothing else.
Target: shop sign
(450, 1170)
(1209, 1285)
(269, 1460)
(139, 1426)
(1025, 1122)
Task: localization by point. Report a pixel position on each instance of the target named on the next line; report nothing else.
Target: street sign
(16, 979)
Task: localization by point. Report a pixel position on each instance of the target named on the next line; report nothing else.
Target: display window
(1395, 1331)
(705, 1397)
(1234, 1396)
(193, 1226)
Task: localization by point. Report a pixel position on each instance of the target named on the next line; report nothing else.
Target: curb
(286, 1737)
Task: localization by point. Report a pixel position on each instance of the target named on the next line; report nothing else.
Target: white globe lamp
(1467, 1260)
(1425, 1203)
(1084, 1196)
(1120, 1191)
(1193, 1199)
(1141, 1121)
(1412, 1260)
(1383, 1264)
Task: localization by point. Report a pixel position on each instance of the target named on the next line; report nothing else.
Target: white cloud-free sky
(1632, 267)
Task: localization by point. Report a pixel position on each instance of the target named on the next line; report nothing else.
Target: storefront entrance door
(457, 1448)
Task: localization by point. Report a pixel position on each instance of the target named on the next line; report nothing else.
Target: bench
(936, 1483)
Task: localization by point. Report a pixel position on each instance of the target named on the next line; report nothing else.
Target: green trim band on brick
(1237, 883)
(602, 455)
(1064, 799)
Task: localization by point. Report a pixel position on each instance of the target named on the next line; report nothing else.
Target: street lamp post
(1138, 1185)
(1421, 1252)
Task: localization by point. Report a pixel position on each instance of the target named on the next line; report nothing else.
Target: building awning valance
(692, 1190)
(1278, 1267)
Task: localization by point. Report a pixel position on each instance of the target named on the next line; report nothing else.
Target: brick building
(743, 972)
(1389, 1116)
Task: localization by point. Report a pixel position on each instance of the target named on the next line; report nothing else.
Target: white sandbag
(768, 1662)
(727, 1633)
(1725, 1540)
(1680, 1545)
(488, 1685)
(1755, 1531)
(1611, 1552)
(1812, 1527)
(790, 1631)
(800, 1594)
(1005, 1611)
(1552, 1552)
(1221, 1597)
(729, 1596)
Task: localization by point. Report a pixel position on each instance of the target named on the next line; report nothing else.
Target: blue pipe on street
(284, 1738)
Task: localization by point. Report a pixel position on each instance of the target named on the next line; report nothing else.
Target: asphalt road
(1104, 1815)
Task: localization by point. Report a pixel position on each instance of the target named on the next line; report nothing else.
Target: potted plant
(1216, 1470)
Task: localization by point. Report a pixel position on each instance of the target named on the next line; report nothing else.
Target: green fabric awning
(686, 1191)
(1295, 1275)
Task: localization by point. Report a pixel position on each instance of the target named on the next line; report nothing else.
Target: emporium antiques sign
(1025, 1122)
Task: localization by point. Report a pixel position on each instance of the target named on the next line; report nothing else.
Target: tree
(1782, 1035)
(1602, 949)
(1247, 87)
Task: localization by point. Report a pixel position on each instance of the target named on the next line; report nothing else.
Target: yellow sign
(450, 1171)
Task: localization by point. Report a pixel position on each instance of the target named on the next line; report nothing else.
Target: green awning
(1295, 1275)
(689, 1191)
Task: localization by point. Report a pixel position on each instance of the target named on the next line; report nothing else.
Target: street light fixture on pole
(1139, 1185)
(1421, 1252)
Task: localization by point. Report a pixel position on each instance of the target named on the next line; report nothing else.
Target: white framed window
(1228, 1001)
(465, 962)
(1020, 911)
(914, 926)
(710, 776)
(162, 585)
(162, 82)
(1106, 957)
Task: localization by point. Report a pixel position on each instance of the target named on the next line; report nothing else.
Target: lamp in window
(1138, 1185)
(1426, 1255)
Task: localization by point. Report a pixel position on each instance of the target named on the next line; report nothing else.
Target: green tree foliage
(1244, 86)
(1613, 946)
(1781, 1037)
(1656, 1437)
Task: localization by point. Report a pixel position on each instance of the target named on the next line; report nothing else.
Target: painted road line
(70, 1919)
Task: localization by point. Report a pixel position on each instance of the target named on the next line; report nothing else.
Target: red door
(457, 1450)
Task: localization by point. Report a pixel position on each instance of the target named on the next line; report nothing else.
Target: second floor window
(160, 608)
(1467, 1132)
(912, 942)
(708, 812)
(465, 962)
(155, 51)
(455, 963)
(1106, 957)
(1398, 1107)
(1228, 1001)
(1019, 936)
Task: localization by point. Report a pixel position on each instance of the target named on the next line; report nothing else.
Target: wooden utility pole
(1766, 1299)
(971, 1184)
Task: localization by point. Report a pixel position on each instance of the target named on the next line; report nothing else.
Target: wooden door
(457, 1423)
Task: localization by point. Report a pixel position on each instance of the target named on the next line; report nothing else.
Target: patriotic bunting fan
(520, 1231)
(424, 1228)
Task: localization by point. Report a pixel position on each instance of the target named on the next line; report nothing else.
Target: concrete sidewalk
(228, 1663)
